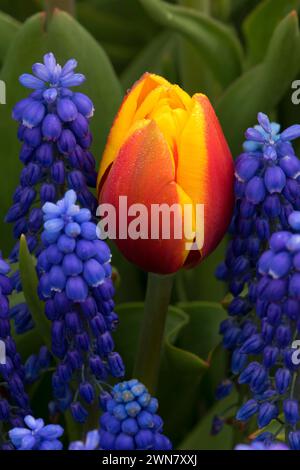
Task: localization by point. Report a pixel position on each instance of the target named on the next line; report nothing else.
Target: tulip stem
(157, 300)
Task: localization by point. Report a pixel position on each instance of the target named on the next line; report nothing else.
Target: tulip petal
(205, 172)
(125, 117)
(149, 179)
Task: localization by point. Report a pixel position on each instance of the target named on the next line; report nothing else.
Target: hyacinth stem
(65, 5)
(157, 300)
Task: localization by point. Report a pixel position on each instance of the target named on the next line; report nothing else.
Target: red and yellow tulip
(168, 147)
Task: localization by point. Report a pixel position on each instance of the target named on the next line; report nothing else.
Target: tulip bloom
(166, 147)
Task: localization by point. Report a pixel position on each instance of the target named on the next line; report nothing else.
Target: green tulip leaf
(120, 22)
(8, 29)
(241, 8)
(30, 288)
(194, 74)
(214, 41)
(263, 86)
(66, 38)
(200, 438)
(157, 57)
(122, 28)
(198, 5)
(20, 9)
(201, 335)
(260, 24)
(222, 9)
(181, 369)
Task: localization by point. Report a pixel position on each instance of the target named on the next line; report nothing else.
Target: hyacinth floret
(36, 436)
(273, 377)
(130, 420)
(76, 285)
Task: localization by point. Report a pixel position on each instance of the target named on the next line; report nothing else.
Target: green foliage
(21, 9)
(8, 29)
(122, 28)
(215, 41)
(258, 31)
(262, 87)
(157, 57)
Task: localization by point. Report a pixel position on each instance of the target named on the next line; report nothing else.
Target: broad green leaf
(195, 76)
(120, 55)
(260, 24)
(200, 438)
(66, 38)
(122, 28)
(201, 335)
(200, 5)
(222, 9)
(157, 57)
(180, 375)
(21, 9)
(8, 28)
(240, 9)
(126, 335)
(124, 22)
(214, 41)
(262, 87)
(30, 288)
(181, 369)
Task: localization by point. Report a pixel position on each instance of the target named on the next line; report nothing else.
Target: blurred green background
(244, 54)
